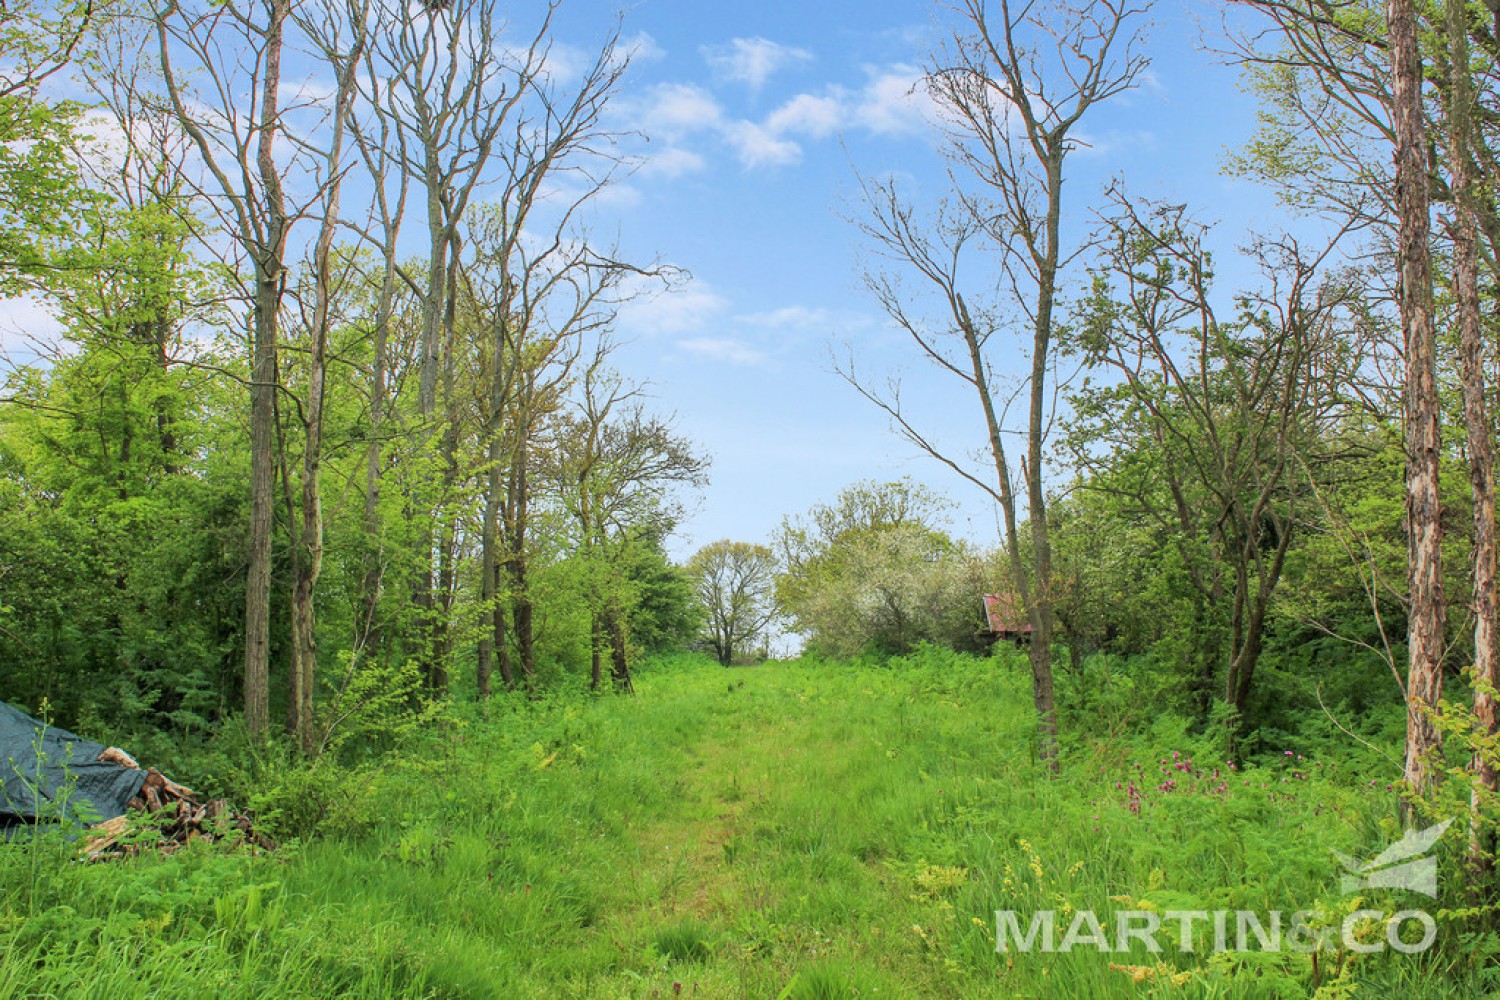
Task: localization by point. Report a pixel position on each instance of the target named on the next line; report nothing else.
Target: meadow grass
(796, 830)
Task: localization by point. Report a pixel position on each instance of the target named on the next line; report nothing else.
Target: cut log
(173, 812)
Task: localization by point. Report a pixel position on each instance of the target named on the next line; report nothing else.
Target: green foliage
(874, 571)
(571, 846)
(735, 586)
(42, 199)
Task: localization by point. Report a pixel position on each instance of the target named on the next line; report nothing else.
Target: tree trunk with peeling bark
(1464, 232)
(1426, 624)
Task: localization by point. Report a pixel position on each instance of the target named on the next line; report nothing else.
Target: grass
(804, 830)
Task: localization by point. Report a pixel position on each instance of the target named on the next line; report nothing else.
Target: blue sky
(761, 115)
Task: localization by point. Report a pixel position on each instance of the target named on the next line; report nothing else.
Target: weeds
(810, 831)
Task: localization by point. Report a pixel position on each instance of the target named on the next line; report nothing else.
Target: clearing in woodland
(794, 830)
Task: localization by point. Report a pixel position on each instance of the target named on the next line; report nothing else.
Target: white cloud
(641, 47)
(758, 146)
(893, 102)
(618, 195)
(725, 349)
(801, 318)
(671, 162)
(682, 310)
(752, 61)
(806, 114)
(673, 109)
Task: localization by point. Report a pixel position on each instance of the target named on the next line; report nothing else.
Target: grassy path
(782, 857)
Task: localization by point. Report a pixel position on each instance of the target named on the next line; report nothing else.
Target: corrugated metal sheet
(1006, 615)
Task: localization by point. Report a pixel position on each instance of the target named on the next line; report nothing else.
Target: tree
(1463, 230)
(736, 584)
(803, 543)
(1232, 413)
(874, 571)
(250, 198)
(1426, 625)
(42, 195)
(442, 86)
(539, 299)
(343, 55)
(616, 470)
(1011, 91)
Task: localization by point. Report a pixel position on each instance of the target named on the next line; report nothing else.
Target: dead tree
(1010, 92)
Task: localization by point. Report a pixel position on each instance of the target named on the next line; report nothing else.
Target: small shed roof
(1006, 615)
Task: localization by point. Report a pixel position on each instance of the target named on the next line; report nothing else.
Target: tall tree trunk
(1041, 679)
(430, 358)
(520, 584)
(295, 673)
(262, 492)
(493, 638)
(1042, 625)
(371, 586)
(619, 657)
(516, 565)
(310, 565)
(1464, 231)
(263, 376)
(596, 655)
(1425, 630)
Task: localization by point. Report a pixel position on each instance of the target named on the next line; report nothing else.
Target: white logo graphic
(1384, 873)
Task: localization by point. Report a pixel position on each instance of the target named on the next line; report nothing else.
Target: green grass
(791, 831)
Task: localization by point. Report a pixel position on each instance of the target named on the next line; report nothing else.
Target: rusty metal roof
(1006, 615)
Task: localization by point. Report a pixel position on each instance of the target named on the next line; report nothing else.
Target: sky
(762, 116)
(759, 119)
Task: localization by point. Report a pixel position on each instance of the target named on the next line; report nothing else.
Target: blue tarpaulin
(49, 775)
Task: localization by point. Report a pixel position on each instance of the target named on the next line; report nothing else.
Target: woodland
(330, 499)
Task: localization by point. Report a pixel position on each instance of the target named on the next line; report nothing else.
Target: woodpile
(173, 816)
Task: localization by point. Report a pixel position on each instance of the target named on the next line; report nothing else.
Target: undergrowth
(796, 830)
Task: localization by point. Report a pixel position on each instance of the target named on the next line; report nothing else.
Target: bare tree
(339, 35)
(1010, 91)
(542, 288)
(234, 118)
(382, 147)
(450, 85)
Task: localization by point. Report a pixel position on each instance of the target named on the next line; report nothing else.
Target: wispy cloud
(806, 114)
(641, 48)
(671, 162)
(891, 102)
(1115, 142)
(685, 309)
(752, 61)
(677, 109)
(894, 102)
(759, 146)
(722, 349)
